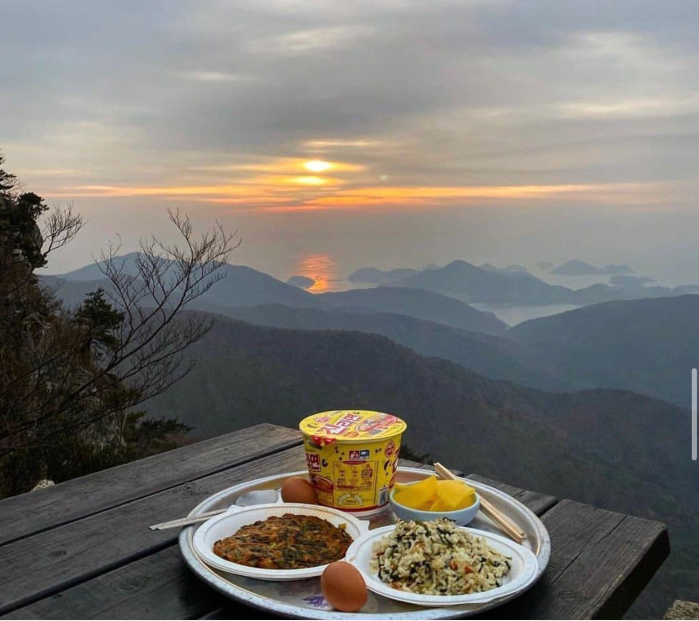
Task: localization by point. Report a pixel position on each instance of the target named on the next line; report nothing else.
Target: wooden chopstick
(505, 523)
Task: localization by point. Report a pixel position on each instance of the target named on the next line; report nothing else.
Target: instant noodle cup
(352, 457)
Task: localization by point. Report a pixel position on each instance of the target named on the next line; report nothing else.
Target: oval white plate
(229, 523)
(522, 574)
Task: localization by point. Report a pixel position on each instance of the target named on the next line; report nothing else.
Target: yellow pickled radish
(419, 494)
(470, 498)
(456, 494)
(439, 505)
(435, 495)
(453, 493)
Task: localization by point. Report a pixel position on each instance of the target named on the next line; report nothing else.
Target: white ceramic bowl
(522, 575)
(461, 517)
(229, 523)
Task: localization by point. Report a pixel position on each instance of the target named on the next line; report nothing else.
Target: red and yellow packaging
(352, 457)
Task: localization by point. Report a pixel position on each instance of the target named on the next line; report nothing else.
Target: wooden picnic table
(82, 549)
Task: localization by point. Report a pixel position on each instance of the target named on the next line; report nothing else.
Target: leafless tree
(167, 278)
(76, 370)
(59, 227)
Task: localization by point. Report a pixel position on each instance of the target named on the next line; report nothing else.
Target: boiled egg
(297, 489)
(344, 587)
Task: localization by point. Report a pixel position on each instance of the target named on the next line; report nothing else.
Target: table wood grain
(82, 549)
(109, 488)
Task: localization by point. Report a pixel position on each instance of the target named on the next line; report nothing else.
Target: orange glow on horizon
(408, 192)
(310, 180)
(276, 193)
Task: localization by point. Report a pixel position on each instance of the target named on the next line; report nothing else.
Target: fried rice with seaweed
(438, 558)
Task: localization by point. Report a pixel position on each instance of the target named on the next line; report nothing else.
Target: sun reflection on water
(321, 268)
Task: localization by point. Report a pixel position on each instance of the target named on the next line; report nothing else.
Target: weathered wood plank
(156, 587)
(79, 498)
(409, 463)
(511, 490)
(594, 552)
(536, 502)
(628, 556)
(41, 565)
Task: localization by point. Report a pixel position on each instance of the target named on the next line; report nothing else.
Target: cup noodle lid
(351, 426)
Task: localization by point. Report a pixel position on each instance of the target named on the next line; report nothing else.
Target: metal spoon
(248, 499)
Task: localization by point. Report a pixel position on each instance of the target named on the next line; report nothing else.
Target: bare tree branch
(60, 226)
(73, 378)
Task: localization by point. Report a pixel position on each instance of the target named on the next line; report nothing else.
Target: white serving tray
(303, 598)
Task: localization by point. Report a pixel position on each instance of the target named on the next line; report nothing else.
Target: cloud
(449, 103)
(623, 108)
(283, 194)
(212, 76)
(313, 41)
(344, 144)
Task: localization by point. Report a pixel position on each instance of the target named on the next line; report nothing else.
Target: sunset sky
(351, 133)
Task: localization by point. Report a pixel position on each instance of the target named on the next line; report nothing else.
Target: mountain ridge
(473, 284)
(459, 280)
(490, 355)
(245, 286)
(647, 345)
(418, 303)
(575, 267)
(328, 359)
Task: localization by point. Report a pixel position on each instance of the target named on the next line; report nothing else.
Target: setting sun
(317, 166)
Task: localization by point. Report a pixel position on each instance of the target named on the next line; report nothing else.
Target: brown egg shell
(343, 586)
(297, 489)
